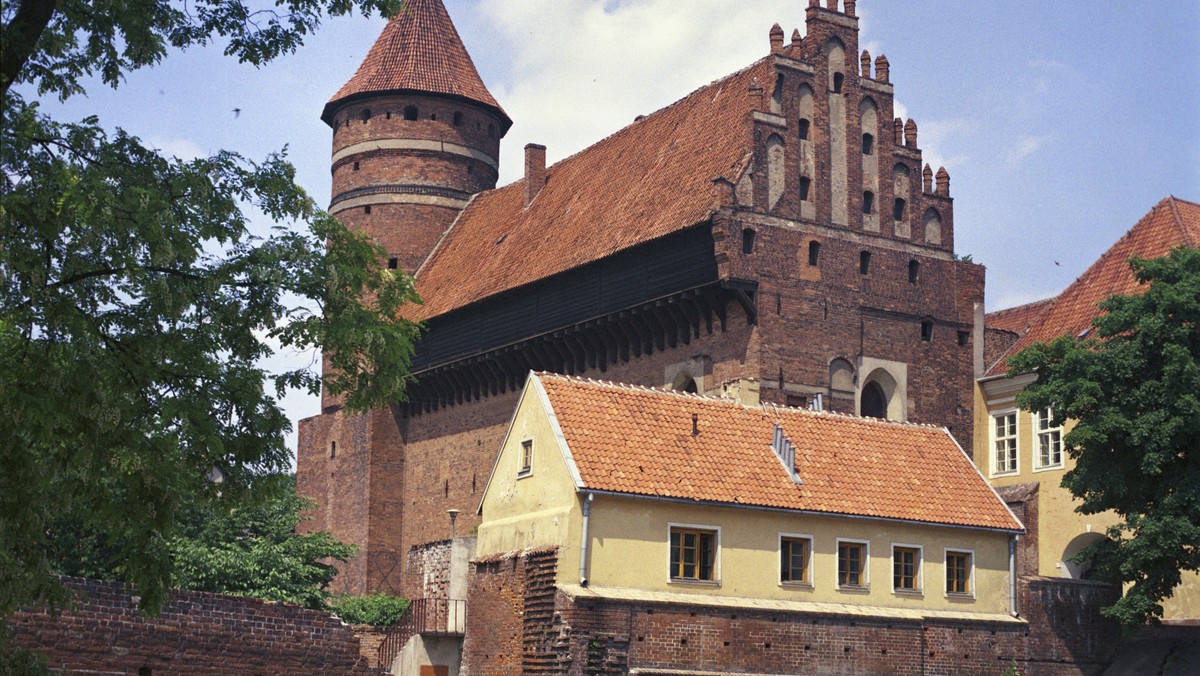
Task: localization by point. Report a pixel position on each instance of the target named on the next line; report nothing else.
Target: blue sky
(1061, 123)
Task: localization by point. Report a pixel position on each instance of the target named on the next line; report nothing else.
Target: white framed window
(694, 553)
(1049, 441)
(852, 569)
(960, 573)
(795, 559)
(1004, 443)
(526, 458)
(908, 571)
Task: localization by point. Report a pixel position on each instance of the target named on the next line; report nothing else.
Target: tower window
(914, 271)
(804, 124)
(814, 253)
(388, 115)
(366, 114)
(898, 209)
(926, 331)
(838, 80)
(332, 449)
(868, 144)
(747, 241)
(868, 202)
(410, 113)
(805, 186)
(492, 130)
(367, 209)
(433, 116)
(355, 166)
(964, 338)
(392, 263)
(458, 118)
(864, 263)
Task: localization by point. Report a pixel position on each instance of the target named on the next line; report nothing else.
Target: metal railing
(428, 617)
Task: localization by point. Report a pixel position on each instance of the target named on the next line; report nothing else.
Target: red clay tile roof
(420, 50)
(1018, 319)
(1172, 222)
(646, 181)
(638, 440)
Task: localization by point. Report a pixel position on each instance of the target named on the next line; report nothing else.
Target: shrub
(378, 610)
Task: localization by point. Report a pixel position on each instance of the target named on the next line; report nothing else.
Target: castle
(773, 237)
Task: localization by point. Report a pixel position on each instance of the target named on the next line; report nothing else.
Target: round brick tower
(415, 135)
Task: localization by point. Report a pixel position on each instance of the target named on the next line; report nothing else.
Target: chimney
(535, 171)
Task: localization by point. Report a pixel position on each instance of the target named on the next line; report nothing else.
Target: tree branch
(20, 37)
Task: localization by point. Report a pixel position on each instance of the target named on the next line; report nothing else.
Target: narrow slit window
(804, 124)
(864, 263)
(526, 457)
(814, 253)
(868, 202)
(747, 241)
(926, 331)
(898, 209)
(332, 450)
(838, 80)
(367, 209)
(356, 166)
(914, 271)
(868, 144)
(805, 187)
(393, 263)
(458, 118)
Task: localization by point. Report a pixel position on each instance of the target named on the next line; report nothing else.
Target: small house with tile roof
(1022, 452)
(774, 236)
(657, 494)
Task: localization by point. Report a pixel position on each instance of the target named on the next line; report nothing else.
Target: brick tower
(415, 135)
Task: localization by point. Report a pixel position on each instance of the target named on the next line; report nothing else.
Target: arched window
(874, 402)
(777, 96)
(410, 113)
(868, 202)
(914, 271)
(838, 80)
(841, 376)
(814, 253)
(684, 382)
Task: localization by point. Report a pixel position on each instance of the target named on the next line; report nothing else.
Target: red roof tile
(646, 181)
(419, 50)
(638, 440)
(1018, 319)
(1172, 222)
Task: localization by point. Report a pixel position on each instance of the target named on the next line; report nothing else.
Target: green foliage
(1133, 389)
(137, 304)
(377, 610)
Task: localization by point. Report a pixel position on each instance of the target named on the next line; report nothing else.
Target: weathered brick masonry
(510, 631)
(196, 633)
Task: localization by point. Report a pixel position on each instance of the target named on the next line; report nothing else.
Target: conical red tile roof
(418, 50)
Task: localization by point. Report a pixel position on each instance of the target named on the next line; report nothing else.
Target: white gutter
(583, 545)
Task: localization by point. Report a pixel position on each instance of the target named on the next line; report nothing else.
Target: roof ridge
(1187, 235)
(642, 119)
(1022, 306)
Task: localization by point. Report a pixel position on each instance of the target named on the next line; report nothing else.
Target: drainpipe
(1012, 575)
(583, 545)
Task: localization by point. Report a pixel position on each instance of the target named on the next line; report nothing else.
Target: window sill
(525, 474)
(1012, 472)
(959, 596)
(694, 583)
(915, 593)
(1049, 468)
(854, 590)
(797, 585)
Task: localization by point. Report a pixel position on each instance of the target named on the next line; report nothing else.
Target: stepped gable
(648, 180)
(639, 441)
(1172, 222)
(419, 50)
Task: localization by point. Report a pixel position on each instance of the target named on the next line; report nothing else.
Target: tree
(136, 302)
(1133, 391)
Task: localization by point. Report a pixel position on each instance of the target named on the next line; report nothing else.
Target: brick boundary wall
(427, 570)
(196, 633)
(509, 630)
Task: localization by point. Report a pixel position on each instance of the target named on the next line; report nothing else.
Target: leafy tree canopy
(1133, 390)
(137, 303)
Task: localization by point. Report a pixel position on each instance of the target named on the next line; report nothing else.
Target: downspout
(583, 545)
(1012, 571)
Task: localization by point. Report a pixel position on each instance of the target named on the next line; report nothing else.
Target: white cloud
(1026, 145)
(184, 149)
(587, 68)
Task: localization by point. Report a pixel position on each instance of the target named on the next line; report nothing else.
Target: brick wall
(196, 633)
(427, 574)
(509, 630)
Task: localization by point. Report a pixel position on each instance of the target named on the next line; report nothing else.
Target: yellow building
(1021, 452)
(666, 496)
